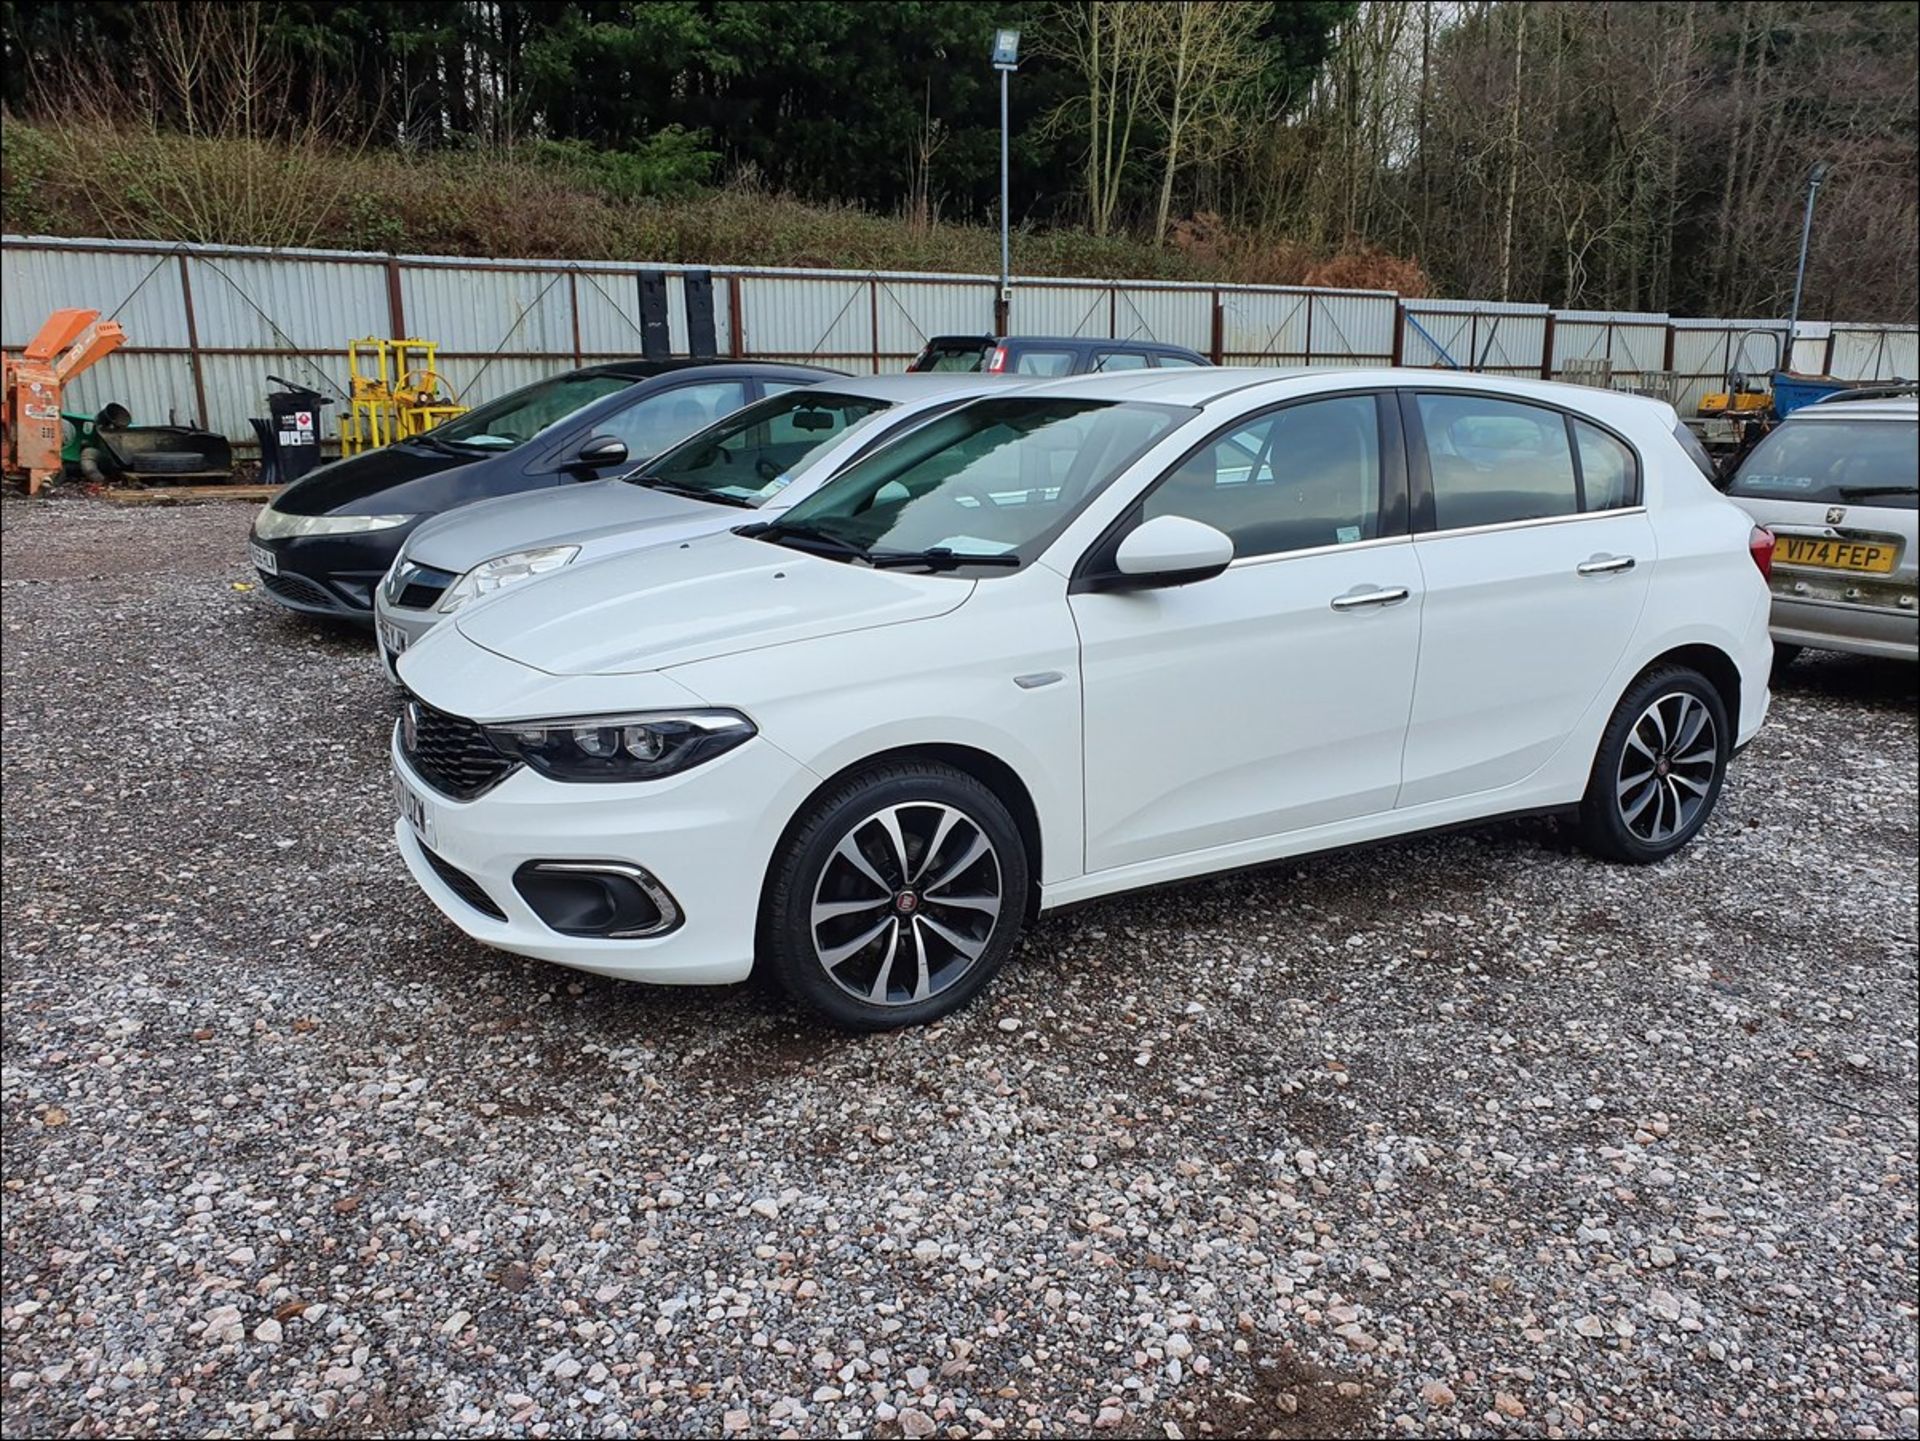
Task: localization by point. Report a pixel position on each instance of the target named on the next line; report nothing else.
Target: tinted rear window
(1697, 453)
(1835, 462)
(961, 356)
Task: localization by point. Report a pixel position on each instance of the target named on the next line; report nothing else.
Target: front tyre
(1661, 764)
(895, 897)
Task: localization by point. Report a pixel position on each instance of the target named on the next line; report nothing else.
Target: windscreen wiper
(1854, 492)
(939, 557)
(803, 537)
(691, 492)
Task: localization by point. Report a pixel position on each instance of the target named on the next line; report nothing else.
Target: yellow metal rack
(395, 390)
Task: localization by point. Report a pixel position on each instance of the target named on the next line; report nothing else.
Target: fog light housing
(610, 900)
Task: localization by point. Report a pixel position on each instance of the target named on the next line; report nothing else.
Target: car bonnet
(674, 604)
(573, 514)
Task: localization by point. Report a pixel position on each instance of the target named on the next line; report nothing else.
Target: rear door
(1535, 554)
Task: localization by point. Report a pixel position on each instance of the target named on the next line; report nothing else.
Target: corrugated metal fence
(207, 325)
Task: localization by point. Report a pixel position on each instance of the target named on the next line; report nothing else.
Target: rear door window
(1119, 360)
(1834, 462)
(1494, 462)
(1178, 362)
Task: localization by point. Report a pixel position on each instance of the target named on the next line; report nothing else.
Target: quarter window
(1609, 476)
(1043, 362)
(1496, 461)
(1305, 476)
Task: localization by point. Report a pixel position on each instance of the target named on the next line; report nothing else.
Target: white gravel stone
(1239, 1174)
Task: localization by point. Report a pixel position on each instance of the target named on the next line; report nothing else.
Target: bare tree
(1109, 45)
(204, 146)
(1210, 52)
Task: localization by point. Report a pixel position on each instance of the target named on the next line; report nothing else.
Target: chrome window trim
(1532, 524)
(1240, 562)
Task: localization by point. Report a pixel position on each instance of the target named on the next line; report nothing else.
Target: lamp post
(1006, 59)
(1814, 177)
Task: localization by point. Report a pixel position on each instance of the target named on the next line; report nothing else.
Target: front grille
(453, 755)
(418, 587)
(299, 590)
(463, 886)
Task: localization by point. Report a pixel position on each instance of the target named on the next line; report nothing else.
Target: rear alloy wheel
(897, 897)
(1660, 768)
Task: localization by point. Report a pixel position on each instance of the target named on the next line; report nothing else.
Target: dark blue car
(322, 544)
(1051, 355)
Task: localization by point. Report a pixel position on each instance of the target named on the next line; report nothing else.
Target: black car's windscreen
(516, 418)
(750, 456)
(1001, 476)
(1835, 462)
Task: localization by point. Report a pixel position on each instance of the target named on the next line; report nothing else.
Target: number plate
(1873, 556)
(414, 807)
(263, 559)
(391, 637)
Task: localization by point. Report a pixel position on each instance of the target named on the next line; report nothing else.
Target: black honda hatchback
(322, 544)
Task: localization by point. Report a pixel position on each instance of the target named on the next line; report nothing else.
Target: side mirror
(1170, 550)
(602, 450)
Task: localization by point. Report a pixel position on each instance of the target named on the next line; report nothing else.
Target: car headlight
(504, 570)
(639, 747)
(271, 524)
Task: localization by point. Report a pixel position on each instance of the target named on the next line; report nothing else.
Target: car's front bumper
(1892, 634)
(328, 575)
(706, 836)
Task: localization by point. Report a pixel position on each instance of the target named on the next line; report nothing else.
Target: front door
(1271, 698)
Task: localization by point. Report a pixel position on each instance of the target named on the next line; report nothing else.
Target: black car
(322, 544)
(1051, 354)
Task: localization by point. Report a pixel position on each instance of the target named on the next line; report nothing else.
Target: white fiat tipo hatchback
(1102, 633)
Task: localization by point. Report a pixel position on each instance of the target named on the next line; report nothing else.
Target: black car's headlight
(639, 747)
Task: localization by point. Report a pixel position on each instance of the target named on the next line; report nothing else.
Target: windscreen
(749, 457)
(516, 418)
(1835, 462)
(997, 477)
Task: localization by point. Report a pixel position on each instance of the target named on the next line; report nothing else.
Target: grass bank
(554, 202)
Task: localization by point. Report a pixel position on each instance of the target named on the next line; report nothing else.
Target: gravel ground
(1464, 1135)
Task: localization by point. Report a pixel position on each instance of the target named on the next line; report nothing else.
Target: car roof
(1076, 342)
(723, 367)
(1213, 384)
(918, 385)
(1892, 408)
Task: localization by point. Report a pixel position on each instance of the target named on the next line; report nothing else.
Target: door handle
(1356, 599)
(1604, 565)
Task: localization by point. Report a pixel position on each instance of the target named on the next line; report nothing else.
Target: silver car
(1837, 484)
(761, 458)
